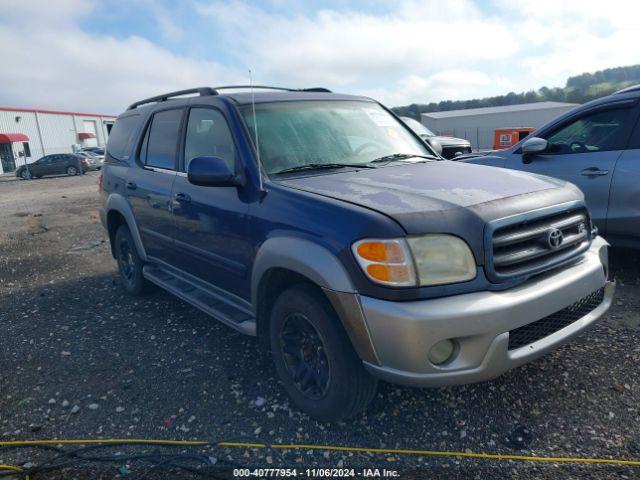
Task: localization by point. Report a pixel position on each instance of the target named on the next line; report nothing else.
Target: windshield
(417, 127)
(293, 134)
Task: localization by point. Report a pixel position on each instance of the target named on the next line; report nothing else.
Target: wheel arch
(285, 261)
(119, 212)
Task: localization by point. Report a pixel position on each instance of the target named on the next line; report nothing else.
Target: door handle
(594, 172)
(131, 185)
(182, 198)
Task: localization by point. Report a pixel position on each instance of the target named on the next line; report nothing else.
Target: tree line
(578, 89)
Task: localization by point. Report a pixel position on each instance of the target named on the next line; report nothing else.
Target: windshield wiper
(401, 156)
(320, 166)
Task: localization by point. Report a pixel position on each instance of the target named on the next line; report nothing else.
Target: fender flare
(301, 256)
(119, 203)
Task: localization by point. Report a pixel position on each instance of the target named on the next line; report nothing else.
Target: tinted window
(161, 140)
(121, 134)
(598, 132)
(208, 135)
(27, 150)
(635, 137)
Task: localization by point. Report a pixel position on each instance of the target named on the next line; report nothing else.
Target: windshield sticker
(380, 117)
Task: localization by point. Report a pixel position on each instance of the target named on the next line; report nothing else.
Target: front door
(211, 223)
(6, 158)
(149, 186)
(584, 151)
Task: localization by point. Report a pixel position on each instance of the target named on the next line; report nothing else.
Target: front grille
(528, 247)
(542, 328)
(452, 152)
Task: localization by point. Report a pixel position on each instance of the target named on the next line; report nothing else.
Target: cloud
(69, 68)
(401, 52)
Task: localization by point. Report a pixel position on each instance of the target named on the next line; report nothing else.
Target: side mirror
(531, 147)
(212, 172)
(434, 144)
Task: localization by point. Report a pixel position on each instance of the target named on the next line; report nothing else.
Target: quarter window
(598, 132)
(208, 135)
(161, 140)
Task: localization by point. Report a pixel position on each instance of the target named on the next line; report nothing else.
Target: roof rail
(208, 91)
(202, 91)
(632, 88)
(268, 87)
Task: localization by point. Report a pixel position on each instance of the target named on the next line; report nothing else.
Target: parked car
(57, 164)
(450, 147)
(91, 161)
(344, 244)
(596, 146)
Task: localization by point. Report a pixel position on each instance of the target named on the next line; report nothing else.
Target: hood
(441, 196)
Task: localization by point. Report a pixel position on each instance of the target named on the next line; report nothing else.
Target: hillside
(578, 89)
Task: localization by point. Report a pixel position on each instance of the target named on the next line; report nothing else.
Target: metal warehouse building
(28, 134)
(478, 124)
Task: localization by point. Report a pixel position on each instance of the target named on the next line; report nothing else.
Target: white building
(479, 124)
(28, 134)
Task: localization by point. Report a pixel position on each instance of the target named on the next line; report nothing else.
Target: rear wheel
(314, 358)
(71, 170)
(129, 263)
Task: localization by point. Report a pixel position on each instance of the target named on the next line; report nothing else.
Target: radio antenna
(255, 131)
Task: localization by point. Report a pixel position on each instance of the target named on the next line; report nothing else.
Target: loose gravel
(81, 359)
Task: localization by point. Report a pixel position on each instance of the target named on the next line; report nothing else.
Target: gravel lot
(72, 341)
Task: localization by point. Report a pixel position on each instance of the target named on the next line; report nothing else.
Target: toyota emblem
(554, 238)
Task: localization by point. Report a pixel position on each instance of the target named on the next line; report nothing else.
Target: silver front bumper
(403, 332)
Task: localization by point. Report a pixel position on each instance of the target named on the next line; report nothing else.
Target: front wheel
(314, 358)
(25, 174)
(71, 170)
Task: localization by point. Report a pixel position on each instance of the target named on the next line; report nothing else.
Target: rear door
(623, 220)
(212, 226)
(149, 185)
(584, 150)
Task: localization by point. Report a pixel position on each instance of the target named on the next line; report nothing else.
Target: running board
(200, 297)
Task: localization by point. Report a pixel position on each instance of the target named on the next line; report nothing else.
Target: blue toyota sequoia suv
(323, 225)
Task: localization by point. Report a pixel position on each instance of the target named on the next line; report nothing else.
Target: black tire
(338, 386)
(25, 174)
(71, 170)
(129, 263)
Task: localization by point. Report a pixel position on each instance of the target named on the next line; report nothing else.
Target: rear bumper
(403, 333)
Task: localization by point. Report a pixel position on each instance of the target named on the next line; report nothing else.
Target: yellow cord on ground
(389, 451)
(12, 468)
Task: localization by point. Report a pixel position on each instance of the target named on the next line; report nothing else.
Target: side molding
(119, 203)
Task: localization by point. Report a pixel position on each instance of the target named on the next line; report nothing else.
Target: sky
(100, 56)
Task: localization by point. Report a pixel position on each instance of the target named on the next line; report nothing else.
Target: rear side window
(121, 134)
(161, 140)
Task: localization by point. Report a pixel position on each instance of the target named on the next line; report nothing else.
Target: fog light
(441, 352)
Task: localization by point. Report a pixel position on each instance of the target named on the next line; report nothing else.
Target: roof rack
(632, 88)
(208, 91)
(268, 87)
(202, 91)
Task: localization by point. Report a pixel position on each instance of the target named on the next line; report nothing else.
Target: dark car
(595, 146)
(448, 147)
(57, 164)
(96, 150)
(323, 225)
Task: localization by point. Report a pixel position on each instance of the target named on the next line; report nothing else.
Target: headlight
(442, 259)
(416, 261)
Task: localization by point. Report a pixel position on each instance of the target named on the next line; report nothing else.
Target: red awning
(13, 137)
(85, 135)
